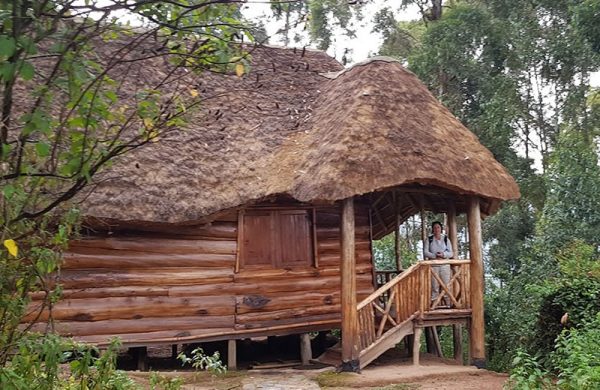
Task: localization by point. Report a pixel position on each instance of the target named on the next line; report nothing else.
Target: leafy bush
(577, 357)
(200, 361)
(48, 362)
(576, 292)
(527, 373)
(158, 381)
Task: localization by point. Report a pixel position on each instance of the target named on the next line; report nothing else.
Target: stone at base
(350, 366)
(479, 363)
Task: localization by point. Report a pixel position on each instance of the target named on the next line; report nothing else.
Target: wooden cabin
(258, 218)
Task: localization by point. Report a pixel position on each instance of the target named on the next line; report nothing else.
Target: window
(275, 239)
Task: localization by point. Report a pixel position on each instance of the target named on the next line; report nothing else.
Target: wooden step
(332, 356)
(387, 341)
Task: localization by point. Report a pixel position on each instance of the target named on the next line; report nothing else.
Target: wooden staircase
(403, 306)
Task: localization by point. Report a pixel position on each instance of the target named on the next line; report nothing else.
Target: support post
(350, 351)
(477, 331)
(458, 341)
(453, 234)
(140, 355)
(416, 345)
(397, 237)
(232, 354)
(452, 228)
(305, 349)
(423, 228)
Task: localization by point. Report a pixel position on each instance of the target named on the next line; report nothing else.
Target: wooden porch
(403, 305)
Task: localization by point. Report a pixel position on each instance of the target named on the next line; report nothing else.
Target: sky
(364, 45)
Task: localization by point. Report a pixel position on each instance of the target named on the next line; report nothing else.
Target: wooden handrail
(387, 286)
(405, 274)
(408, 296)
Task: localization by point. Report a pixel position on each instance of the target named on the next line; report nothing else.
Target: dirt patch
(390, 372)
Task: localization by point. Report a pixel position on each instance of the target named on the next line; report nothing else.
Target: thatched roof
(291, 128)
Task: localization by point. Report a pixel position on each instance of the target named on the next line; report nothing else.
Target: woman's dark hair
(437, 223)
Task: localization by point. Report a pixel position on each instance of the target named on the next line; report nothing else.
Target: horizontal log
(269, 274)
(362, 232)
(253, 318)
(149, 277)
(116, 259)
(324, 284)
(215, 230)
(278, 302)
(289, 321)
(155, 245)
(99, 309)
(176, 337)
(159, 337)
(321, 283)
(331, 259)
(333, 245)
(105, 292)
(325, 215)
(88, 328)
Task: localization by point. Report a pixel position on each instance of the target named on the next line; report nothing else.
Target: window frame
(277, 263)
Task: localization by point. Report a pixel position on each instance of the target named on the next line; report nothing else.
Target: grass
(333, 380)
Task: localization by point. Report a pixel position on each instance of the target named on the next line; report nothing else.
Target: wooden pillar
(452, 228)
(305, 349)
(348, 294)
(416, 345)
(140, 355)
(458, 341)
(232, 354)
(398, 238)
(477, 327)
(423, 229)
(453, 235)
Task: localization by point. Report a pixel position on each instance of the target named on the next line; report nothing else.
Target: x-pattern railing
(408, 294)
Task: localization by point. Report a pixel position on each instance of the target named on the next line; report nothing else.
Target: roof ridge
(335, 75)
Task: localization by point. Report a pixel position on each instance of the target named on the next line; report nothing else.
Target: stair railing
(408, 295)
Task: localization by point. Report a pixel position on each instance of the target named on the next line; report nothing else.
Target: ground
(390, 372)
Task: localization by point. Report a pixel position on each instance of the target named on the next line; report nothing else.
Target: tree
(572, 207)
(74, 97)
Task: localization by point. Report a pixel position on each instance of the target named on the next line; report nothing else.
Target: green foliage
(63, 68)
(577, 357)
(574, 362)
(572, 207)
(200, 361)
(384, 253)
(159, 381)
(527, 373)
(47, 362)
(576, 292)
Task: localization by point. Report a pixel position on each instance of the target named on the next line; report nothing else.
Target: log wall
(181, 283)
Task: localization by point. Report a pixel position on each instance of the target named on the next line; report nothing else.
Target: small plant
(577, 357)
(527, 373)
(201, 361)
(162, 382)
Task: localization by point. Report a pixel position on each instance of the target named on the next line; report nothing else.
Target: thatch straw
(286, 128)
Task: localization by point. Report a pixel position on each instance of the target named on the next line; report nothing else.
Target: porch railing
(408, 296)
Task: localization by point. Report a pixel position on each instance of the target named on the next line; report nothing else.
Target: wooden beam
(423, 229)
(232, 354)
(477, 331)
(453, 234)
(350, 352)
(458, 340)
(397, 237)
(416, 347)
(305, 349)
(452, 228)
